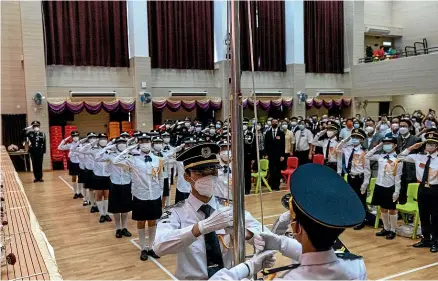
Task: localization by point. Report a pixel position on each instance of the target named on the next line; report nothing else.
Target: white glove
(220, 219)
(322, 132)
(281, 225)
(395, 196)
(363, 188)
(130, 140)
(83, 140)
(288, 247)
(260, 261)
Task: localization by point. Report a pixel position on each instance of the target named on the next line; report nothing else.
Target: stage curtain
(324, 36)
(86, 33)
(181, 34)
(268, 26)
(12, 129)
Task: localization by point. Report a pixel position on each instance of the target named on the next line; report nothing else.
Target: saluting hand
(415, 146)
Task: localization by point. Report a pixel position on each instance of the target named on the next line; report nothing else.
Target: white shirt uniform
(303, 139)
(223, 188)
(360, 164)
(88, 156)
(313, 266)
(333, 156)
(174, 236)
(420, 163)
(181, 184)
(72, 148)
(389, 169)
(119, 174)
(169, 158)
(147, 177)
(99, 168)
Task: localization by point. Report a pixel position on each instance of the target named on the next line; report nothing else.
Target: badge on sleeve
(422, 165)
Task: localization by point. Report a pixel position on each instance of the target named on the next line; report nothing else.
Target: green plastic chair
(372, 186)
(411, 206)
(346, 177)
(264, 165)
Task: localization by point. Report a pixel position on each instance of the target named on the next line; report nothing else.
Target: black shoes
(383, 232)
(86, 203)
(126, 233)
(144, 255)
(94, 209)
(359, 227)
(108, 218)
(102, 219)
(152, 254)
(118, 233)
(80, 195)
(41, 180)
(434, 248)
(391, 235)
(35, 180)
(76, 196)
(424, 243)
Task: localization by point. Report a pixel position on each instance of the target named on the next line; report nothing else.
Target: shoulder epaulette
(224, 201)
(347, 256)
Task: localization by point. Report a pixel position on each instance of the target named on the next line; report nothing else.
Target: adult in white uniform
(197, 230)
(223, 189)
(73, 161)
(318, 218)
(332, 157)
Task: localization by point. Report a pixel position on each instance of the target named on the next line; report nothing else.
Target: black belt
(422, 185)
(355, 176)
(101, 177)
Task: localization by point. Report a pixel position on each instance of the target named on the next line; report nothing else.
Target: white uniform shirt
(420, 163)
(313, 266)
(389, 169)
(333, 156)
(88, 155)
(174, 236)
(181, 184)
(360, 164)
(147, 177)
(224, 188)
(72, 148)
(99, 167)
(119, 174)
(169, 158)
(303, 139)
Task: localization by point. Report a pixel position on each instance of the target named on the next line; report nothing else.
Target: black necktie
(386, 157)
(327, 150)
(214, 254)
(425, 179)
(166, 147)
(350, 160)
(273, 133)
(226, 169)
(147, 158)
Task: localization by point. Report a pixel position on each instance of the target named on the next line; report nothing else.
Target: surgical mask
(369, 130)
(145, 147)
(204, 185)
(387, 148)
(269, 123)
(158, 146)
(395, 126)
(403, 130)
(356, 125)
(330, 134)
(430, 147)
(103, 143)
(259, 127)
(167, 126)
(166, 140)
(225, 155)
(218, 126)
(301, 127)
(121, 146)
(91, 140)
(198, 129)
(212, 131)
(36, 129)
(284, 126)
(245, 127)
(294, 124)
(355, 142)
(187, 124)
(75, 138)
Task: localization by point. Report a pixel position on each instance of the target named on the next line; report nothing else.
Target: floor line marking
(267, 192)
(409, 271)
(69, 185)
(156, 262)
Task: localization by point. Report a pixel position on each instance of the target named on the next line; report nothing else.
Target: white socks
(142, 238)
(100, 207)
(105, 206)
(385, 219)
(124, 220)
(82, 189)
(117, 220)
(91, 192)
(393, 221)
(75, 187)
(152, 230)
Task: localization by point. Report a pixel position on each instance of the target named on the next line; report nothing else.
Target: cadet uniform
(224, 186)
(198, 258)
(426, 167)
(73, 161)
(37, 149)
(86, 175)
(332, 157)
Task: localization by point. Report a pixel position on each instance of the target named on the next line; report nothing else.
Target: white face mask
(103, 143)
(75, 138)
(198, 129)
(218, 126)
(212, 131)
(36, 129)
(121, 146)
(158, 146)
(204, 185)
(394, 126)
(294, 124)
(187, 124)
(245, 127)
(166, 140)
(284, 126)
(167, 126)
(225, 155)
(330, 134)
(369, 129)
(259, 127)
(145, 147)
(403, 130)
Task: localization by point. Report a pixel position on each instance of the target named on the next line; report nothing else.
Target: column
(295, 52)
(35, 68)
(140, 62)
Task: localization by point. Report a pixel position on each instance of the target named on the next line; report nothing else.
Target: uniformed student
(73, 161)
(120, 197)
(223, 189)
(182, 186)
(388, 185)
(37, 149)
(147, 188)
(317, 222)
(332, 158)
(125, 136)
(357, 166)
(100, 175)
(426, 167)
(197, 229)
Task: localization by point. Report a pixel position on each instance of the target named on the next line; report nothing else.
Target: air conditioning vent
(268, 93)
(377, 31)
(329, 93)
(188, 94)
(92, 94)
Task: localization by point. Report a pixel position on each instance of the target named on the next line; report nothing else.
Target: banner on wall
(59, 106)
(328, 103)
(174, 105)
(267, 104)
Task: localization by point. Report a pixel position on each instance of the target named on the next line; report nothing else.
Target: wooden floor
(85, 249)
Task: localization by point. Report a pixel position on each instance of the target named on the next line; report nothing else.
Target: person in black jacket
(274, 149)
(37, 149)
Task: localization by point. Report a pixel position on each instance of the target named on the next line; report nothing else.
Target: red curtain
(181, 34)
(324, 36)
(88, 33)
(269, 36)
